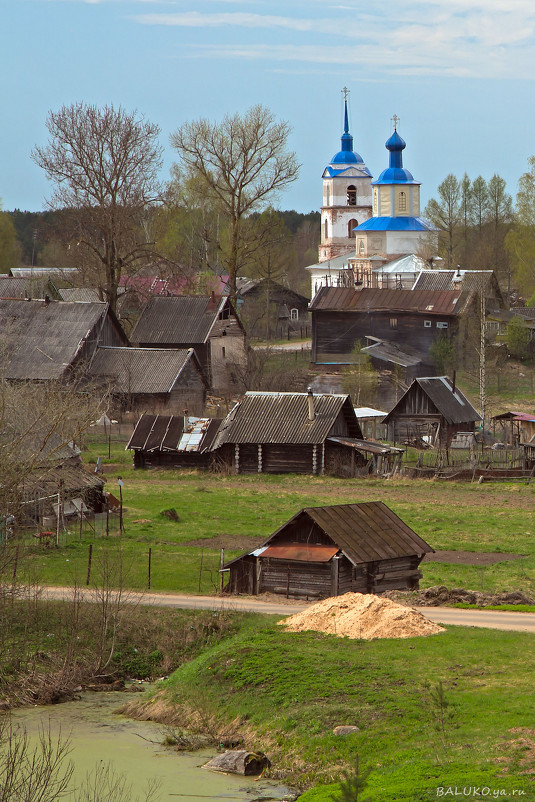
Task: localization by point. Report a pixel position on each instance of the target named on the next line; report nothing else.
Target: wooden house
(208, 324)
(328, 551)
(342, 317)
(176, 441)
(151, 379)
(431, 412)
(400, 326)
(270, 432)
(46, 340)
(271, 309)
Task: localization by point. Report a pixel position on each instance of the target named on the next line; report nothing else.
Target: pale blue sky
(458, 73)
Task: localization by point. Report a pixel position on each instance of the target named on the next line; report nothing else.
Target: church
(366, 224)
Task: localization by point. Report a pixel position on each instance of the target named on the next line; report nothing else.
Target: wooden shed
(173, 441)
(272, 432)
(166, 380)
(431, 412)
(328, 551)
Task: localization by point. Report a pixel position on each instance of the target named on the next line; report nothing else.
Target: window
(427, 324)
(393, 322)
(442, 325)
(223, 352)
(402, 202)
(351, 226)
(361, 246)
(325, 229)
(351, 195)
(375, 201)
(294, 314)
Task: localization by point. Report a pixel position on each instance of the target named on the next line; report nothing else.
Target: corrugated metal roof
(173, 433)
(452, 405)
(44, 338)
(368, 446)
(79, 294)
(402, 355)
(31, 287)
(440, 280)
(180, 319)
(141, 370)
(376, 300)
(283, 418)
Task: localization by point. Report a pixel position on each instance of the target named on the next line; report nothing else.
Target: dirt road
(491, 619)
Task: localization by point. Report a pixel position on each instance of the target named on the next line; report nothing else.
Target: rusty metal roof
(432, 302)
(302, 552)
(173, 433)
(284, 418)
(451, 404)
(141, 370)
(178, 320)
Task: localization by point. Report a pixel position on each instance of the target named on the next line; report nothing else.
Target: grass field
(284, 692)
(237, 512)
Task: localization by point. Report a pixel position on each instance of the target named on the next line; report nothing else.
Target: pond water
(133, 748)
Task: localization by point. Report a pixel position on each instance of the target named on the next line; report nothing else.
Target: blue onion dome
(395, 173)
(346, 155)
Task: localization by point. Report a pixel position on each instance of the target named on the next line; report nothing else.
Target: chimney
(454, 381)
(310, 399)
(47, 300)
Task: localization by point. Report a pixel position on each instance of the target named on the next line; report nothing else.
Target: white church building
(367, 224)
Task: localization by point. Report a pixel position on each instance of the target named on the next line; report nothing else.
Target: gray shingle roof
(178, 320)
(141, 370)
(283, 418)
(44, 338)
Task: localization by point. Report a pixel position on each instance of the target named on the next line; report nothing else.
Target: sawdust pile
(358, 615)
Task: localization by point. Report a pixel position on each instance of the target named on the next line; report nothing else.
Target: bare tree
(33, 774)
(241, 164)
(104, 165)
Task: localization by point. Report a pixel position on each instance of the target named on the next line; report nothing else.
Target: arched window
(351, 226)
(361, 246)
(325, 229)
(402, 201)
(351, 195)
(294, 314)
(375, 201)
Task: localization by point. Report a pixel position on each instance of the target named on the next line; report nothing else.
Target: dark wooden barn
(328, 551)
(208, 324)
(270, 432)
(173, 441)
(157, 379)
(431, 412)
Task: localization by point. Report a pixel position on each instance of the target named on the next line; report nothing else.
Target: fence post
(89, 563)
(150, 556)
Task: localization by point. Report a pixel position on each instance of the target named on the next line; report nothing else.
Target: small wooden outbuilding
(173, 441)
(431, 412)
(328, 551)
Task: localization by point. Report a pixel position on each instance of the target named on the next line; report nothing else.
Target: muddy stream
(133, 748)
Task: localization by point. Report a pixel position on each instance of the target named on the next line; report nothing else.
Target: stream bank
(99, 736)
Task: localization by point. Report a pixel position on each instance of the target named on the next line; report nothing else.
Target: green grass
(289, 690)
(238, 512)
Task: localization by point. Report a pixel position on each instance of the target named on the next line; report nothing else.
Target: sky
(459, 74)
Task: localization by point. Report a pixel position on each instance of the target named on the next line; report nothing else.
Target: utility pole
(482, 366)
